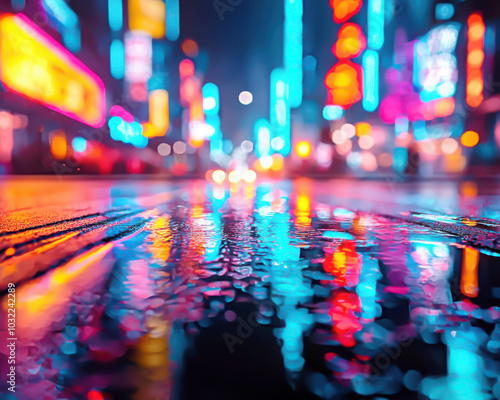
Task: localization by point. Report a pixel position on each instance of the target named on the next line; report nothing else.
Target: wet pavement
(286, 290)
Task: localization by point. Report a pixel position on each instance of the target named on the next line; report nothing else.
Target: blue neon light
(400, 159)
(444, 11)
(127, 132)
(333, 113)
(63, 18)
(370, 80)
(115, 15)
(376, 10)
(292, 49)
(211, 105)
(61, 12)
(79, 144)
(117, 59)
(71, 39)
(262, 137)
(280, 109)
(210, 93)
(420, 130)
(172, 19)
(214, 122)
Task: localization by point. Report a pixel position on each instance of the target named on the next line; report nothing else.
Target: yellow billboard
(147, 16)
(35, 65)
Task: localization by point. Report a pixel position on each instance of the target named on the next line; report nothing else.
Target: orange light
(477, 29)
(469, 139)
(303, 204)
(469, 280)
(196, 112)
(277, 162)
(196, 142)
(58, 144)
(34, 65)
(147, 16)
(148, 130)
(363, 128)
(159, 111)
(468, 189)
(190, 48)
(475, 87)
(475, 59)
(444, 107)
(345, 9)
(303, 149)
(344, 84)
(351, 41)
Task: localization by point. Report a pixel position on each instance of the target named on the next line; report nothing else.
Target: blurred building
(421, 97)
(374, 87)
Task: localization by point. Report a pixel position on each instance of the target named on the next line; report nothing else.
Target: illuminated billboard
(435, 63)
(34, 65)
(147, 16)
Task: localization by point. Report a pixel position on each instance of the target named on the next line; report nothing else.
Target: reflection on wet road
(292, 289)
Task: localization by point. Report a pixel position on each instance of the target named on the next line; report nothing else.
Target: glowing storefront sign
(436, 72)
(36, 66)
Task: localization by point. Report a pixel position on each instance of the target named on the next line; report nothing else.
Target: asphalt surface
(144, 289)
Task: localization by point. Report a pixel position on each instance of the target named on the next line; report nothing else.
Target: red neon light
(345, 9)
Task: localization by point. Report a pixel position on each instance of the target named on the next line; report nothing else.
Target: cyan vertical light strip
(115, 15)
(172, 20)
(375, 24)
(293, 49)
(280, 111)
(371, 80)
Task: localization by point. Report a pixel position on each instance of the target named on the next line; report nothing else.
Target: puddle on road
(265, 293)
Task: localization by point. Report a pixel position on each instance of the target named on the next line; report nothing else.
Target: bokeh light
(190, 48)
(303, 149)
(469, 139)
(245, 98)
(219, 176)
(164, 149)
